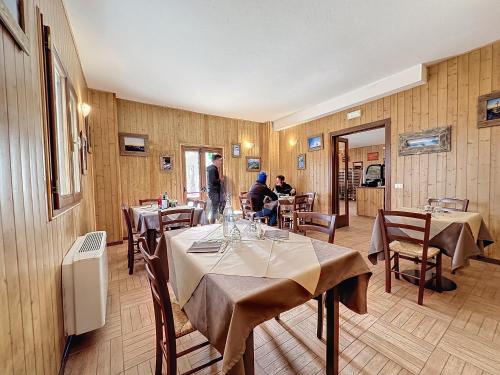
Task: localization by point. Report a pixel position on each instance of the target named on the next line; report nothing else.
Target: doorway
(195, 161)
(360, 171)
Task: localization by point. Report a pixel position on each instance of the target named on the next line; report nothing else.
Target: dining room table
(226, 293)
(147, 223)
(460, 235)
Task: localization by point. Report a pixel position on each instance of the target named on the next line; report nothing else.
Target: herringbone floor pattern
(453, 333)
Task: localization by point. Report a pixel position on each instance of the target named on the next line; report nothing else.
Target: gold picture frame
(134, 144)
(488, 110)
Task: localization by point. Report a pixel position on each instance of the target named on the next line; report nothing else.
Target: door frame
(333, 175)
(200, 149)
(342, 220)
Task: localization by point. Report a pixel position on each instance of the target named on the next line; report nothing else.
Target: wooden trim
(481, 110)
(114, 243)
(17, 31)
(385, 123)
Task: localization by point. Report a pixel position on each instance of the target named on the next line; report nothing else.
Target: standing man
(260, 192)
(214, 187)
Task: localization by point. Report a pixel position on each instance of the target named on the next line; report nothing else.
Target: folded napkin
(205, 247)
(277, 234)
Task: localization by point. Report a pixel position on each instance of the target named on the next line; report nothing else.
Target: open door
(195, 162)
(340, 199)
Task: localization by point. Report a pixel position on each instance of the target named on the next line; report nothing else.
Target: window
(12, 13)
(62, 137)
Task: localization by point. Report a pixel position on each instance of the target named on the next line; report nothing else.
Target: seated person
(258, 193)
(282, 187)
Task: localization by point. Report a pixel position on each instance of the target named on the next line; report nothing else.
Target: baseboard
(114, 243)
(65, 354)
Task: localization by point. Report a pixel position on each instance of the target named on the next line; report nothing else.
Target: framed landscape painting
(134, 144)
(253, 164)
(315, 142)
(488, 110)
(301, 161)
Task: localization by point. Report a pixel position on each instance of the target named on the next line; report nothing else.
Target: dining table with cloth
(227, 293)
(460, 235)
(147, 223)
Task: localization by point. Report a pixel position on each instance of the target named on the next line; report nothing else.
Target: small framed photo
(166, 163)
(134, 144)
(236, 150)
(253, 164)
(83, 153)
(371, 156)
(488, 110)
(315, 142)
(301, 161)
(88, 133)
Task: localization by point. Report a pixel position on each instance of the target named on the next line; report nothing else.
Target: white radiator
(85, 284)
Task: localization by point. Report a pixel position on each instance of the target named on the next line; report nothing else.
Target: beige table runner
(292, 259)
(440, 221)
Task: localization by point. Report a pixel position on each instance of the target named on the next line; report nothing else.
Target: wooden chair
(405, 246)
(185, 219)
(148, 201)
(311, 198)
(170, 321)
(198, 203)
(459, 205)
(300, 204)
(132, 240)
(247, 210)
(313, 221)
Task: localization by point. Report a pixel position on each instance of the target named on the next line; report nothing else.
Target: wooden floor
(454, 333)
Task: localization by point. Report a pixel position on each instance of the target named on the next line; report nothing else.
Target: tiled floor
(453, 333)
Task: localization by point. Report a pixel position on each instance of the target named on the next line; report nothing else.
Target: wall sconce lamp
(86, 108)
(248, 144)
(292, 141)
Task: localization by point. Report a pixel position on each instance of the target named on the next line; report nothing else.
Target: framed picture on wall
(236, 150)
(166, 163)
(301, 161)
(488, 110)
(134, 144)
(253, 164)
(83, 153)
(315, 142)
(88, 133)
(371, 156)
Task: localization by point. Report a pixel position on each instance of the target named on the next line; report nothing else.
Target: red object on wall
(372, 156)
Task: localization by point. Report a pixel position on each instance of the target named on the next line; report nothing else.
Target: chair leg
(159, 359)
(439, 272)
(319, 329)
(388, 274)
(396, 265)
(421, 282)
(277, 317)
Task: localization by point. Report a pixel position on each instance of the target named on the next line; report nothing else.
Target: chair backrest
(301, 203)
(196, 203)
(128, 225)
(405, 226)
(245, 204)
(147, 201)
(164, 319)
(308, 221)
(457, 204)
(185, 218)
(311, 198)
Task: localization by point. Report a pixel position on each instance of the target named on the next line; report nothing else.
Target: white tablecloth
(293, 259)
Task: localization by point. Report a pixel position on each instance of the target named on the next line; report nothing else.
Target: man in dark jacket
(282, 187)
(257, 193)
(214, 186)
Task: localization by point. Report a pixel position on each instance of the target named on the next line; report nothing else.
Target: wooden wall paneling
(483, 178)
(451, 120)
(423, 168)
(415, 159)
(461, 128)
(495, 152)
(433, 122)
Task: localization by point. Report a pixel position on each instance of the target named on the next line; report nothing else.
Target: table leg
(332, 331)
(446, 284)
(248, 356)
(151, 240)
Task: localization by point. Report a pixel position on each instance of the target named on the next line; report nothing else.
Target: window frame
(49, 57)
(15, 28)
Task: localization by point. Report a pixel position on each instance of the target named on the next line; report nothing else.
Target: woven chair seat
(182, 324)
(412, 249)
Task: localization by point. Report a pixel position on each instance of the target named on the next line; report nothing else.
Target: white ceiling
(367, 138)
(263, 60)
